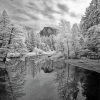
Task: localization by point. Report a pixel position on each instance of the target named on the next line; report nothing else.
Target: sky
(41, 13)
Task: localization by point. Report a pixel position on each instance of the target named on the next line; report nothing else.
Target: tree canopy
(91, 17)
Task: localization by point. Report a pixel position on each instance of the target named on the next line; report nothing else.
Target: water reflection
(80, 84)
(12, 79)
(40, 87)
(72, 83)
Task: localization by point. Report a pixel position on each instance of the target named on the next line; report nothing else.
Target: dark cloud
(48, 15)
(18, 3)
(18, 18)
(47, 11)
(72, 14)
(63, 7)
(32, 16)
(31, 4)
(51, 10)
(22, 11)
(33, 7)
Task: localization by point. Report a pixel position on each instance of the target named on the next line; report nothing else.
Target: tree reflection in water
(12, 79)
(78, 81)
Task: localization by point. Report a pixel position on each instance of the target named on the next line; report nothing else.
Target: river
(41, 87)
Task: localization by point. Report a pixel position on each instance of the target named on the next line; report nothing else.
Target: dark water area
(80, 84)
(92, 86)
(12, 79)
(67, 83)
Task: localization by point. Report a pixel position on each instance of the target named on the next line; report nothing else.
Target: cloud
(72, 14)
(47, 10)
(63, 7)
(39, 13)
(18, 18)
(19, 12)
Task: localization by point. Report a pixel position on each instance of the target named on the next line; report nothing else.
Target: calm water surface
(41, 87)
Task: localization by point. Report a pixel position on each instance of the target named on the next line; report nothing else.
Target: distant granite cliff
(47, 31)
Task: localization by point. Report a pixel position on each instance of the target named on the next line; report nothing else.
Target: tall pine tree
(91, 17)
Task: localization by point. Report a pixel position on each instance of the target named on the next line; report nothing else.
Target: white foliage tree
(64, 38)
(31, 41)
(49, 41)
(17, 44)
(76, 39)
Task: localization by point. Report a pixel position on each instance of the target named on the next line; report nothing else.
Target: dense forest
(52, 49)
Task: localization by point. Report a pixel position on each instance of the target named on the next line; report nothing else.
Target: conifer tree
(13, 74)
(91, 17)
(4, 20)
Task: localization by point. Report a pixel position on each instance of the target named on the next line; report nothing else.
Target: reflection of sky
(39, 13)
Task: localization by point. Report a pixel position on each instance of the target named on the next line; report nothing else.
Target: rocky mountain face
(47, 31)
